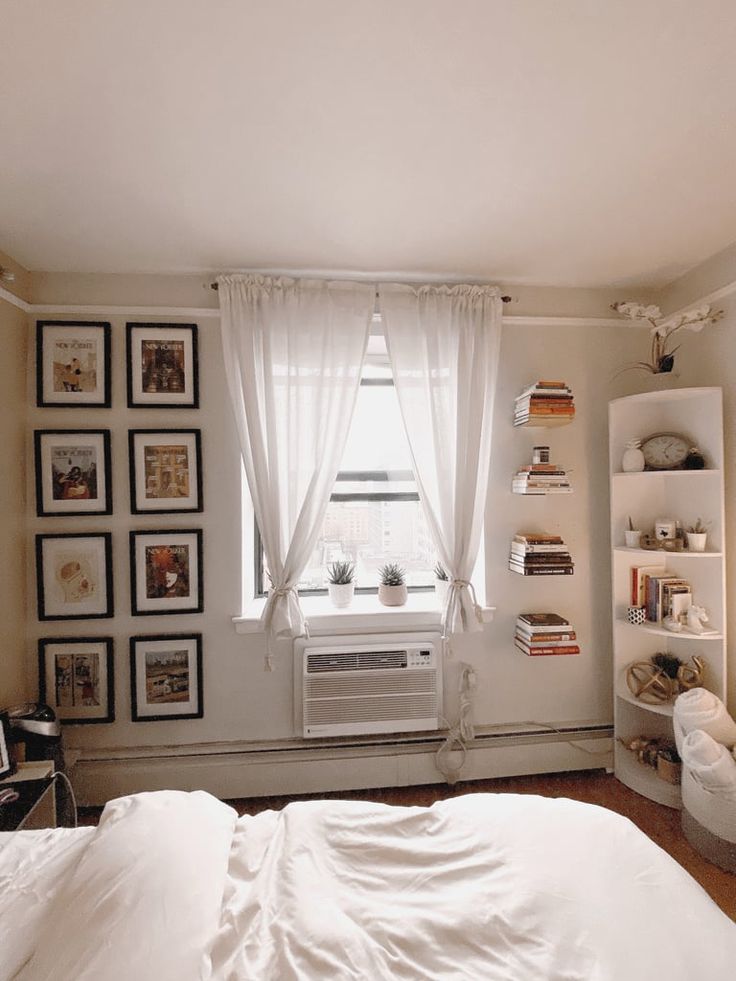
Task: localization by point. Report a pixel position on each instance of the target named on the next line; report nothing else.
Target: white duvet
(172, 887)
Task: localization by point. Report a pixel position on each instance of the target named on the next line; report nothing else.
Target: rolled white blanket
(701, 709)
(710, 762)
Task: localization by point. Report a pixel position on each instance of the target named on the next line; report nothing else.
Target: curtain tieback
(467, 584)
(274, 594)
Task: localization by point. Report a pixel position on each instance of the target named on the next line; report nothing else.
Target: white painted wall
(242, 702)
(13, 661)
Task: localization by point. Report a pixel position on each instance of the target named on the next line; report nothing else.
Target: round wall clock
(665, 451)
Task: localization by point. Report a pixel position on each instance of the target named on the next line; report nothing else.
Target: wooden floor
(661, 824)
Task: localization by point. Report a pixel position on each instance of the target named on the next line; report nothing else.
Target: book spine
(521, 549)
(549, 651)
(568, 571)
(548, 638)
(529, 538)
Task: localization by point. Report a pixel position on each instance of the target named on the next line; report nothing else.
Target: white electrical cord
(460, 734)
(70, 789)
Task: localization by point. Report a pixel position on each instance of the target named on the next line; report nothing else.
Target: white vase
(632, 538)
(633, 458)
(392, 595)
(341, 594)
(696, 542)
(440, 587)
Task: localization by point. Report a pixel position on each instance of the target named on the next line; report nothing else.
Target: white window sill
(365, 614)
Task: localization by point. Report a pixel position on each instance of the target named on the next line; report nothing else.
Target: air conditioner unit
(349, 686)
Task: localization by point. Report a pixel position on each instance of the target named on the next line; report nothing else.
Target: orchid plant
(662, 329)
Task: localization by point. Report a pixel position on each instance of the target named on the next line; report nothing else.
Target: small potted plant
(441, 584)
(392, 586)
(341, 583)
(632, 536)
(696, 536)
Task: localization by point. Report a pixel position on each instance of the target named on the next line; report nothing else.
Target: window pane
(371, 533)
(376, 440)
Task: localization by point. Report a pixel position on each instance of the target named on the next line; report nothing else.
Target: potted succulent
(696, 536)
(392, 586)
(441, 584)
(632, 536)
(341, 583)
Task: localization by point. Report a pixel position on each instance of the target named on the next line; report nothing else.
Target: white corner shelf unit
(686, 495)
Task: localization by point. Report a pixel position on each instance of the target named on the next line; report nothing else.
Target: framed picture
(166, 677)
(162, 366)
(72, 363)
(72, 472)
(6, 762)
(74, 576)
(76, 678)
(165, 470)
(166, 572)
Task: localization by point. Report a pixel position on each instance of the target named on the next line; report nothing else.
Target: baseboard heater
(350, 686)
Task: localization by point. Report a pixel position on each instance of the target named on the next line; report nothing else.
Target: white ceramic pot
(392, 595)
(441, 587)
(341, 594)
(696, 542)
(633, 458)
(632, 538)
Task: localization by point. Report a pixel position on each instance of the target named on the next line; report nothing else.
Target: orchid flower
(661, 329)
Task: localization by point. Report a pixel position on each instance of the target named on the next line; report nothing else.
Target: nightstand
(36, 805)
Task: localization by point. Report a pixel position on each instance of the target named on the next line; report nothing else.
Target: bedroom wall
(244, 704)
(709, 358)
(14, 684)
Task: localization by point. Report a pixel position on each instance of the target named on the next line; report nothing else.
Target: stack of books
(548, 403)
(660, 593)
(541, 478)
(545, 634)
(540, 555)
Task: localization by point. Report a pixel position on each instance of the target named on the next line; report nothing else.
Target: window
(374, 515)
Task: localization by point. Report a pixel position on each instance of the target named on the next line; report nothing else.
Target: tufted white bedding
(172, 887)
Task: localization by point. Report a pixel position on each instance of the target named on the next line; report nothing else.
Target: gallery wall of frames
(73, 476)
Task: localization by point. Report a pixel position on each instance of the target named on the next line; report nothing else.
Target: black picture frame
(80, 599)
(48, 394)
(7, 764)
(149, 606)
(139, 396)
(43, 484)
(140, 501)
(107, 684)
(141, 711)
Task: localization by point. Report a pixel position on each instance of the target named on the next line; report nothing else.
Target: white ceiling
(562, 142)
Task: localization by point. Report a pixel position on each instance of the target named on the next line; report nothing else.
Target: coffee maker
(34, 733)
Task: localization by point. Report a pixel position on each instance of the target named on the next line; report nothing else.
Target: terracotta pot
(392, 595)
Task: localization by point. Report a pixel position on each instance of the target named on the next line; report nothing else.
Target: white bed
(172, 887)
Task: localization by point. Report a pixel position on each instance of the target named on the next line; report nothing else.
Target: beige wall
(13, 660)
(242, 702)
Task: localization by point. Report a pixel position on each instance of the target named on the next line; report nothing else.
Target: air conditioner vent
(355, 661)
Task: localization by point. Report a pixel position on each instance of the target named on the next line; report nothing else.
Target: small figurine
(694, 459)
(696, 619)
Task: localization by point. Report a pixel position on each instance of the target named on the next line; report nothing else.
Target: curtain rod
(504, 299)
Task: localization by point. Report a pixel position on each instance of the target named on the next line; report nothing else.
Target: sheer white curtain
(293, 355)
(444, 344)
